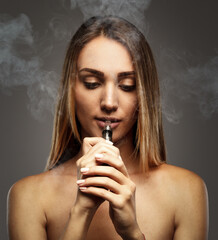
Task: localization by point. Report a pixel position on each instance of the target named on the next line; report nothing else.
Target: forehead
(106, 55)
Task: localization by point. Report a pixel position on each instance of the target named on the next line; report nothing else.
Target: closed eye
(127, 88)
(91, 85)
(90, 81)
(127, 84)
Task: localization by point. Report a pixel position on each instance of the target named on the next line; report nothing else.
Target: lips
(102, 121)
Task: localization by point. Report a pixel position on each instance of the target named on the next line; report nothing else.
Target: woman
(98, 189)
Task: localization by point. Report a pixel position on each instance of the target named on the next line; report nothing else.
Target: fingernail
(109, 142)
(83, 170)
(120, 158)
(80, 181)
(82, 188)
(99, 155)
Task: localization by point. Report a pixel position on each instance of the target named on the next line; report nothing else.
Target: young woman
(98, 189)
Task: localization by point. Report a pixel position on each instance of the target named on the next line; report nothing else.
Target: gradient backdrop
(33, 38)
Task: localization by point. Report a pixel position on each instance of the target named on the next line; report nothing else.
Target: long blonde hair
(149, 138)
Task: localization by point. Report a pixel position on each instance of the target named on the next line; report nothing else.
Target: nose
(109, 98)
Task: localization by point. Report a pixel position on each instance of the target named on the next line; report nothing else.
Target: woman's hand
(89, 148)
(111, 182)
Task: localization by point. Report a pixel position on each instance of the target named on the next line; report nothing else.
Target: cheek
(84, 102)
(131, 105)
(80, 102)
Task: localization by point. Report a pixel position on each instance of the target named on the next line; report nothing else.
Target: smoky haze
(33, 39)
(21, 65)
(197, 84)
(22, 60)
(131, 10)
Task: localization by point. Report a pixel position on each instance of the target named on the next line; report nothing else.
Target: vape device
(107, 131)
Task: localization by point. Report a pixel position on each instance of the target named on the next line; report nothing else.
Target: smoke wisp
(192, 84)
(20, 65)
(22, 61)
(131, 10)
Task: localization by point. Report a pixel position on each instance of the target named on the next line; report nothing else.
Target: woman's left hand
(112, 183)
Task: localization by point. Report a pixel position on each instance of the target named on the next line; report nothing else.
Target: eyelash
(89, 85)
(94, 85)
(127, 88)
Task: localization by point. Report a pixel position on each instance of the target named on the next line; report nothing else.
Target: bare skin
(171, 204)
(166, 203)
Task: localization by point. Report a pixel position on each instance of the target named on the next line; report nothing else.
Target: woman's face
(105, 89)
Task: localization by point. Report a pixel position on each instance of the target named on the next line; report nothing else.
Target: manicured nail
(99, 155)
(80, 181)
(84, 170)
(109, 142)
(82, 188)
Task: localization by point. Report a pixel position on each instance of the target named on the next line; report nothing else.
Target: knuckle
(133, 187)
(120, 202)
(120, 164)
(128, 194)
(84, 165)
(80, 162)
(85, 140)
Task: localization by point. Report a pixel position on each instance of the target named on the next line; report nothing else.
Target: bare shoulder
(27, 186)
(26, 215)
(36, 184)
(39, 187)
(27, 192)
(177, 186)
(182, 185)
(32, 191)
(29, 201)
(183, 180)
(189, 199)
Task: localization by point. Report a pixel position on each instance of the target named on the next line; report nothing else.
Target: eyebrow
(126, 74)
(101, 74)
(93, 71)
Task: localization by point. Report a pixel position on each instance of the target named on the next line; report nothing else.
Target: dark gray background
(183, 35)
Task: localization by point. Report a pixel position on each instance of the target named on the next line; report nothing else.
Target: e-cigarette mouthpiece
(107, 131)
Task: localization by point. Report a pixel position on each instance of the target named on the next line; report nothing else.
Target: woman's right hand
(90, 147)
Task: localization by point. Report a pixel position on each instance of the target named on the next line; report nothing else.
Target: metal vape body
(107, 131)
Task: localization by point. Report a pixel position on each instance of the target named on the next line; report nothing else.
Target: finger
(103, 182)
(93, 140)
(88, 159)
(115, 162)
(100, 147)
(89, 142)
(106, 171)
(116, 199)
(100, 192)
(104, 147)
